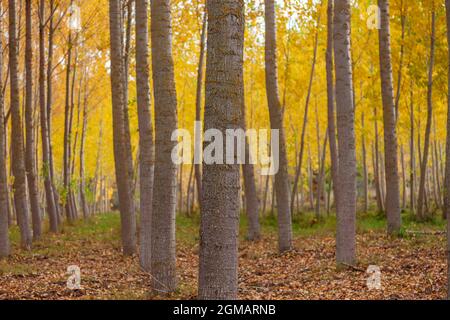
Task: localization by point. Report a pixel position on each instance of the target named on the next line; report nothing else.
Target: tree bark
(420, 206)
(276, 121)
(17, 154)
(218, 273)
(122, 150)
(146, 161)
(4, 217)
(330, 101)
(30, 145)
(346, 215)
(165, 179)
(392, 203)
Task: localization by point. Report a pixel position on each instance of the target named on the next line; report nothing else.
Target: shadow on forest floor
(413, 265)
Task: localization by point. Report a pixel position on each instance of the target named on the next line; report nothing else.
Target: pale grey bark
(346, 214)
(4, 236)
(146, 161)
(392, 204)
(365, 170)
(276, 121)
(30, 143)
(165, 179)
(122, 152)
(218, 276)
(426, 149)
(412, 155)
(83, 199)
(17, 154)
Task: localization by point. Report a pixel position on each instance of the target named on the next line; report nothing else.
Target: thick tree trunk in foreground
(4, 224)
(426, 149)
(30, 145)
(122, 152)
(17, 155)
(276, 121)
(392, 204)
(447, 170)
(165, 179)
(346, 214)
(145, 133)
(218, 276)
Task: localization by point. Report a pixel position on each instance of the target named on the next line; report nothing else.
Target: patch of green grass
(16, 269)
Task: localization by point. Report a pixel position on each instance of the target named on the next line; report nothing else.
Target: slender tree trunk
(402, 156)
(4, 217)
(165, 180)
(276, 121)
(365, 170)
(305, 119)
(218, 276)
(420, 206)
(146, 160)
(412, 156)
(122, 150)
(321, 176)
(402, 58)
(447, 159)
(376, 162)
(331, 102)
(17, 155)
(198, 102)
(45, 142)
(84, 202)
(30, 145)
(390, 129)
(346, 215)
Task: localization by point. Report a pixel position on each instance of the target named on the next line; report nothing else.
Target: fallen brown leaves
(413, 268)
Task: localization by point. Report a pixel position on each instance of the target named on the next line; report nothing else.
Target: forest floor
(413, 266)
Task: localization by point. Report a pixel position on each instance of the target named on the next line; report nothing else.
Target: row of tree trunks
(447, 160)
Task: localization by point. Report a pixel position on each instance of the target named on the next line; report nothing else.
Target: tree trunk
(17, 154)
(122, 150)
(146, 161)
(330, 100)
(45, 142)
(198, 103)
(346, 214)
(392, 203)
(84, 203)
(218, 276)
(412, 156)
(420, 206)
(365, 170)
(165, 180)
(4, 217)
(30, 145)
(447, 170)
(276, 121)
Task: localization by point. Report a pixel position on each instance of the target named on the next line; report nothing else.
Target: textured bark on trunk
(392, 204)
(17, 154)
(4, 223)
(365, 170)
(45, 140)
(30, 143)
(218, 276)
(122, 152)
(165, 179)
(346, 214)
(84, 202)
(146, 161)
(276, 122)
(331, 101)
(426, 149)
